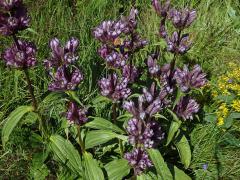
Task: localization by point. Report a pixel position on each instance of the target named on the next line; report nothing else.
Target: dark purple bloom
(10, 4)
(153, 67)
(15, 20)
(161, 9)
(148, 104)
(186, 107)
(190, 79)
(130, 72)
(22, 57)
(65, 79)
(182, 18)
(139, 160)
(166, 81)
(114, 88)
(75, 115)
(178, 45)
(148, 134)
(135, 43)
(62, 55)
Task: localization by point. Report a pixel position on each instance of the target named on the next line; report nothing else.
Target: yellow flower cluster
(228, 84)
(222, 113)
(236, 105)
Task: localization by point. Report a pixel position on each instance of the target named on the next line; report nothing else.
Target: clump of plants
(141, 118)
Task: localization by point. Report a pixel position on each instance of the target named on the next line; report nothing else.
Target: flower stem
(114, 112)
(30, 89)
(82, 146)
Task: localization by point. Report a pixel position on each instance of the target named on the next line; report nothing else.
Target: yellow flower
(236, 105)
(220, 121)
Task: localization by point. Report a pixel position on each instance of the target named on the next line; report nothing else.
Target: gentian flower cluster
(76, 115)
(21, 56)
(119, 41)
(13, 17)
(144, 131)
(61, 66)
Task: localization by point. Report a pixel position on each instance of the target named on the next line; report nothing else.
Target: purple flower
(114, 88)
(116, 59)
(186, 107)
(148, 134)
(22, 57)
(190, 79)
(182, 18)
(153, 67)
(10, 4)
(148, 104)
(161, 9)
(65, 79)
(108, 31)
(178, 45)
(139, 160)
(130, 72)
(76, 115)
(62, 55)
(166, 81)
(14, 18)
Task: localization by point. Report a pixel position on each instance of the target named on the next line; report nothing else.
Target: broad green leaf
(179, 95)
(117, 169)
(229, 120)
(74, 96)
(175, 125)
(172, 131)
(100, 123)
(184, 151)
(231, 140)
(148, 176)
(161, 167)
(66, 153)
(91, 168)
(97, 137)
(180, 175)
(12, 120)
(100, 99)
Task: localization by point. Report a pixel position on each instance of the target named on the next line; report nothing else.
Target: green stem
(81, 143)
(114, 112)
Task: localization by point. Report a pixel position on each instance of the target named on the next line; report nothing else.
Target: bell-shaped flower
(76, 115)
(23, 56)
(190, 79)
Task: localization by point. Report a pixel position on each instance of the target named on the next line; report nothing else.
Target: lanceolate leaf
(175, 125)
(172, 130)
(117, 169)
(66, 153)
(97, 137)
(184, 151)
(100, 123)
(91, 168)
(161, 167)
(12, 121)
(180, 175)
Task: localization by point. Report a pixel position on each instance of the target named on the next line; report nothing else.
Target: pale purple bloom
(186, 107)
(161, 9)
(130, 72)
(182, 18)
(178, 45)
(114, 88)
(76, 115)
(139, 160)
(62, 55)
(153, 67)
(115, 59)
(190, 79)
(65, 79)
(205, 166)
(23, 56)
(10, 4)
